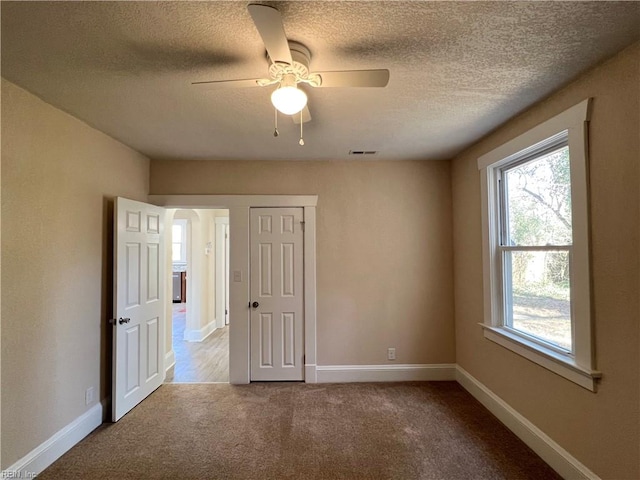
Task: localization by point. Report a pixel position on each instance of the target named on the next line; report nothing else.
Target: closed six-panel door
(277, 294)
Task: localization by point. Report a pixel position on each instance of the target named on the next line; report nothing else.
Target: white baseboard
(200, 334)
(169, 360)
(385, 373)
(48, 452)
(552, 453)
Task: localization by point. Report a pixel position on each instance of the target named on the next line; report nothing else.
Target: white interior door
(277, 348)
(138, 329)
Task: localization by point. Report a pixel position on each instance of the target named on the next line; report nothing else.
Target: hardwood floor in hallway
(198, 362)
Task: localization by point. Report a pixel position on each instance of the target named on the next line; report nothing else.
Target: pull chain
(301, 142)
(275, 114)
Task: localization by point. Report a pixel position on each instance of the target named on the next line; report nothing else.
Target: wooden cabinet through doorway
(179, 287)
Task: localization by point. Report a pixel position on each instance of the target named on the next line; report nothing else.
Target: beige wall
(383, 248)
(58, 179)
(602, 429)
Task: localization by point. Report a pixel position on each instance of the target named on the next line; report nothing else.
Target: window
(179, 241)
(536, 246)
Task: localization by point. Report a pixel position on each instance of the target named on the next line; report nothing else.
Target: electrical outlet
(89, 396)
(391, 354)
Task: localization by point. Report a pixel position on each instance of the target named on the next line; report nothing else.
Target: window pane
(538, 302)
(176, 252)
(538, 198)
(176, 233)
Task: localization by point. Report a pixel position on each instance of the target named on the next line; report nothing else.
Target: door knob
(123, 320)
(255, 304)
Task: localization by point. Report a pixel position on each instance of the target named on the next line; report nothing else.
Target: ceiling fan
(289, 66)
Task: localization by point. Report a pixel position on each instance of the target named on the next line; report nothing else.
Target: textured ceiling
(458, 70)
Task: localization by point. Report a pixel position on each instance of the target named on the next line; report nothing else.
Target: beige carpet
(290, 430)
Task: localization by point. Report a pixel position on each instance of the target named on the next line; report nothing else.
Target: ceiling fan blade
(355, 78)
(226, 84)
(306, 116)
(269, 24)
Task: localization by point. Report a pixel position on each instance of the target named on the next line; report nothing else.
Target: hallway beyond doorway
(198, 362)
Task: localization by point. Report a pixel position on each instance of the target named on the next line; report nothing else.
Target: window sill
(558, 363)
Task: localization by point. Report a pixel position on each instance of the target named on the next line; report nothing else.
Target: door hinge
(226, 236)
(302, 223)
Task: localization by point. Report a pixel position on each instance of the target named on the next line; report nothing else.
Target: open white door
(139, 293)
(277, 310)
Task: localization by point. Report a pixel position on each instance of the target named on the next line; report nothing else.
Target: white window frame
(578, 365)
(182, 241)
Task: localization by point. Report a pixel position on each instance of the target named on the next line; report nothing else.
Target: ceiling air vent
(362, 152)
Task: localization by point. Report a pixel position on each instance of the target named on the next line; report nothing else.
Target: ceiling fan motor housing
(301, 56)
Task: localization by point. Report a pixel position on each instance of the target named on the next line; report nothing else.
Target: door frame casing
(239, 261)
(221, 224)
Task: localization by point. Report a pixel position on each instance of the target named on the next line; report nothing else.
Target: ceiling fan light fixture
(289, 99)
